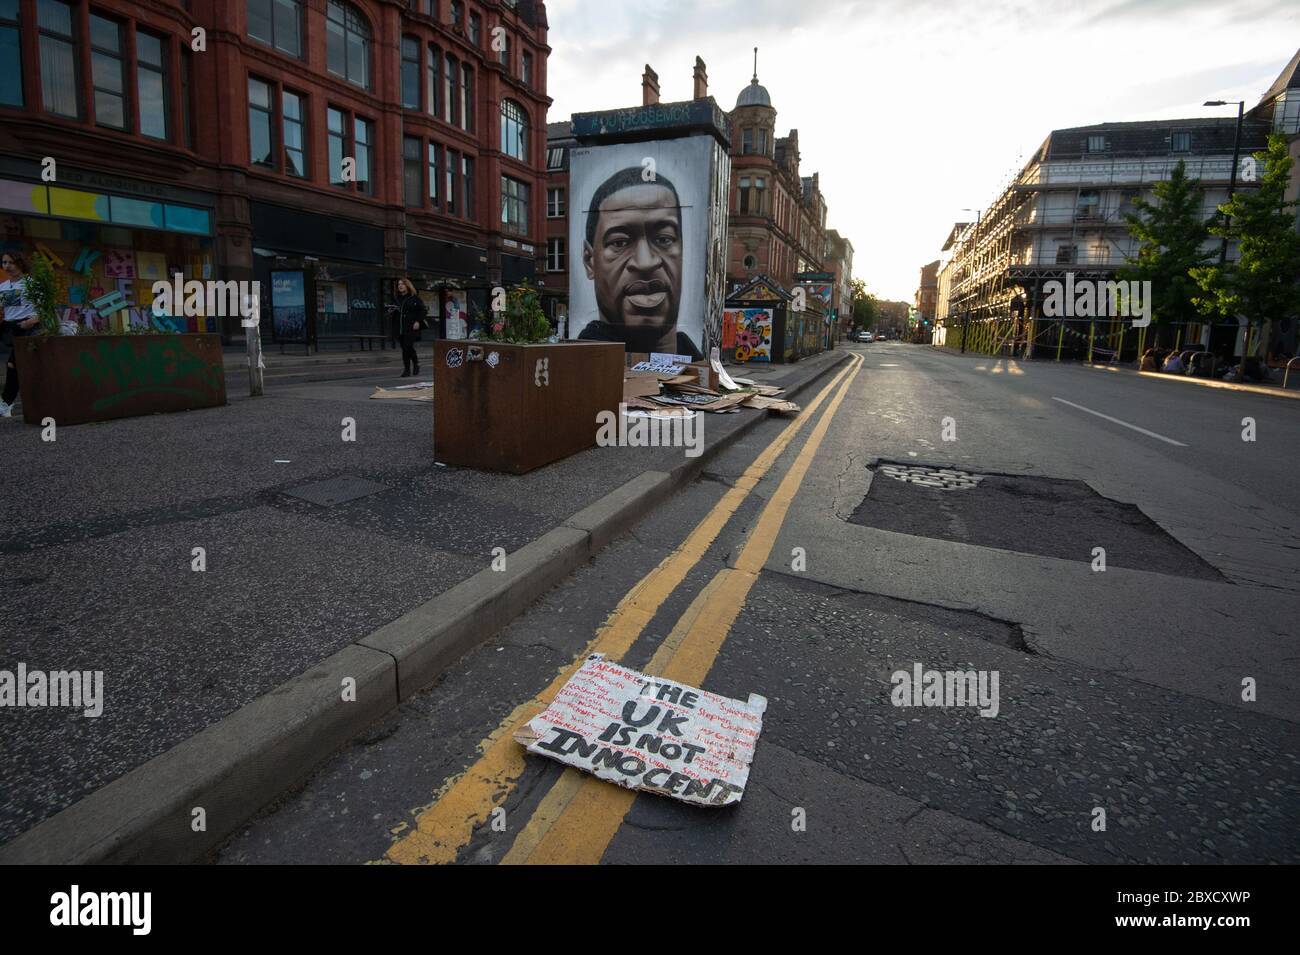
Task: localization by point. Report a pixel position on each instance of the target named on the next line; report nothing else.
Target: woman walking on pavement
(20, 319)
(411, 318)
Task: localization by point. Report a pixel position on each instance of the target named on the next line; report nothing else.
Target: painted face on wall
(635, 263)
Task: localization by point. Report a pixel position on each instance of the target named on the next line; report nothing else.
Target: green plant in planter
(45, 290)
(522, 321)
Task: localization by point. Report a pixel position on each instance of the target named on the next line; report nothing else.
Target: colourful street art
(753, 333)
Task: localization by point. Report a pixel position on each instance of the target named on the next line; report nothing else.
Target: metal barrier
(1287, 374)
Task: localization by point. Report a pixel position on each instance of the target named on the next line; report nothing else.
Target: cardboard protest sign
(645, 732)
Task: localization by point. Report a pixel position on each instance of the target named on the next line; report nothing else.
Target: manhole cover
(336, 491)
(941, 479)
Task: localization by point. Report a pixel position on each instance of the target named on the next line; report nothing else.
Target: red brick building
(927, 296)
(555, 283)
(777, 225)
(320, 146)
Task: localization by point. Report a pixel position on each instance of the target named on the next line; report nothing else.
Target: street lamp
(1232, 188)
(1232, 180)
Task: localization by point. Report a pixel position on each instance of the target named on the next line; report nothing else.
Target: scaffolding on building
(999, 265)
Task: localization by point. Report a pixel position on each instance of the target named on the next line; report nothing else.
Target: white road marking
(1133, 427)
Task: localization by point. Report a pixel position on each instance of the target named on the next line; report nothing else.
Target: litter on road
(643, 732)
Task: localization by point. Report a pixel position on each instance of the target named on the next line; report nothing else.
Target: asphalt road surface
(1145, 712)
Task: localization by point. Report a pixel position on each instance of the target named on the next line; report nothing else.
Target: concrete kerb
(234, 768)
(1202, 382)
(228, 771)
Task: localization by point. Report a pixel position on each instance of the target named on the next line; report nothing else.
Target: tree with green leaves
(866, 309)
(1264, 283)
(1173, 234)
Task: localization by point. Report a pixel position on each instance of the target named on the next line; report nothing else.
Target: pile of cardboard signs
(667, 382)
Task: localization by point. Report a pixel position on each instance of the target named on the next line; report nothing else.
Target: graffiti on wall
(753, 333)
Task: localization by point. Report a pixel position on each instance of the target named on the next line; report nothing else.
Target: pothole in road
(1047, 517)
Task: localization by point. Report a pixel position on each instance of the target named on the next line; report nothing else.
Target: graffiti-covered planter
(78, 378)
(517, 407)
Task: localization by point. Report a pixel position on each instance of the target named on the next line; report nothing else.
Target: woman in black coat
(412, 317)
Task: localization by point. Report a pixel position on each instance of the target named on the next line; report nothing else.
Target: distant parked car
(862, 336)
(880, 338)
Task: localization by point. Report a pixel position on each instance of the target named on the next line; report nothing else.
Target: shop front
(323, 280)
(454, 282)
(109, 247)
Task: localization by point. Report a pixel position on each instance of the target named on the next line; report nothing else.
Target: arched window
(347, 43)
(514, 130)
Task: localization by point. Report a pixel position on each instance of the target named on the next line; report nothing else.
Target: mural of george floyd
(649, 218)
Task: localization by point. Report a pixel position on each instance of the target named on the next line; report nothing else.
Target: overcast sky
(914, 109)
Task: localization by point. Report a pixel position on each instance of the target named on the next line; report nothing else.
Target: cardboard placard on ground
(764, 403)
(645, 732)
(703, 402)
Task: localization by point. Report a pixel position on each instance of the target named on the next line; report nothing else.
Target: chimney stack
(701, 79)
(649, 87)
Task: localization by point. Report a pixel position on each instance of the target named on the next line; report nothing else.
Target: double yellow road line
(580, 814)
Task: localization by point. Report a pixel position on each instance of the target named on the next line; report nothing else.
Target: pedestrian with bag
(412, 318)
(20, 319)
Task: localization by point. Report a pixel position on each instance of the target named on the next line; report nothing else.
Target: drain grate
(942, 479)
(338, 490)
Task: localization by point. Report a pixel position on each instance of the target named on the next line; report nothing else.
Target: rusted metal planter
(79, 378)
(514, 408)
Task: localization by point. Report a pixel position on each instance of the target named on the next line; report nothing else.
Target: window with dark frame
(11, 55)
(412, 173)
(469, 202)
(434, 164)
(347, 43)
(277, 23)
(514, 206)
(60, 66)
(451, 79)
(261, 135)
(151, 84)
(555, 254)
(277, 128)
(457, 14)
(555, 157)
(107, 72)
(336, 133)
(514, 130)
(746, 141)
(526, 68)
(1180, 142)
(410, 72)
(1096, 144)
(476, 29)
(363, 130)
(293, 118)
(452, 165)
(467, 97)
(433, 85)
